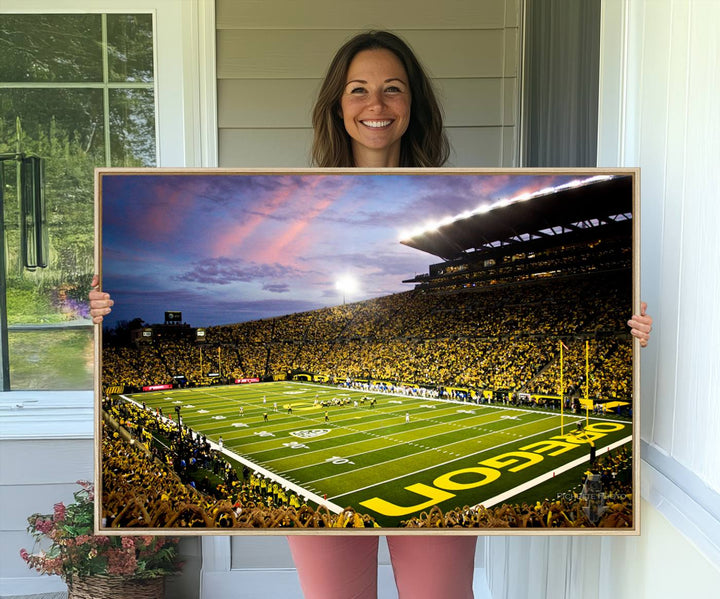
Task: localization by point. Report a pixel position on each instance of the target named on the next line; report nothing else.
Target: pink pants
(345, 567)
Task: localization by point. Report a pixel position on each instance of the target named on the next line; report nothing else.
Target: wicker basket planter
(116, 587)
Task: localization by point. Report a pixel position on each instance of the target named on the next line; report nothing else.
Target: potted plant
(96, 566)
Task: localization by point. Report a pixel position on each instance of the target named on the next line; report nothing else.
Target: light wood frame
(447, 479)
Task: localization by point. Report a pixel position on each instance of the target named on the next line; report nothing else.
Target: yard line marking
(464, 403)
(428, 468)
(547, 476)
(217, 400)
(355, 470)
(395, 441)
(370, 435)
(314, 420)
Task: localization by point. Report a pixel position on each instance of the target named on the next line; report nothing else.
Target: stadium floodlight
(500, 203)
(482, 209)
(347, 285)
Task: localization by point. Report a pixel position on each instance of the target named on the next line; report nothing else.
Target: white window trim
(683, 498)
(186, 114)
(29, 415)
(186, 125)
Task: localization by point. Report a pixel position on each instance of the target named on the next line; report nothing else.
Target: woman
(376, 108)
(355, 92)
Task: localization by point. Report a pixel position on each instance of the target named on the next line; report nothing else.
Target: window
(77, 90)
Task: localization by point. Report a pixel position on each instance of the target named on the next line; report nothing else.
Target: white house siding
(271, 57)
(39, 466)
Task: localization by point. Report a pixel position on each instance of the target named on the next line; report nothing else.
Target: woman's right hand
(100, 302)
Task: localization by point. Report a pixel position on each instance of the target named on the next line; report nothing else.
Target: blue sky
(224, 248)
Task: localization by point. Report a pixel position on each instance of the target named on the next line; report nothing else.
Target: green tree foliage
(70, 220)
(66, 127)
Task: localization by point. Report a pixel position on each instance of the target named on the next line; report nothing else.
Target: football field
(395, 458)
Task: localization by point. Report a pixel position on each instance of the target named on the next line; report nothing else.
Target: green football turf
(371, 459)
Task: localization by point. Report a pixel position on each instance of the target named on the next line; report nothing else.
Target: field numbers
(338, 460)
(295, 445)
(309, 434)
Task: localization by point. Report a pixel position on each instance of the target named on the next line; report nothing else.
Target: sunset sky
(224, 248)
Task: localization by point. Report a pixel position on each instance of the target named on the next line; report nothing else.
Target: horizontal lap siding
(271, 60)
(331, 14)
(35, 475)
(306, 54)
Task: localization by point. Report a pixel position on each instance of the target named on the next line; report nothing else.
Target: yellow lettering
(508, 459)
(445, 481)
(580, 437)
(490, 468)
(605, 427)
(386, 508)
(546, 446)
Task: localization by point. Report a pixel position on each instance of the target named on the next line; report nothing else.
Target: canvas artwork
(390, 352)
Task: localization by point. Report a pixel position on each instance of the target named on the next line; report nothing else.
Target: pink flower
(43, 526)
(128, 543)
(25, 555)
(59, 510)
(53, 565)
(121, 562)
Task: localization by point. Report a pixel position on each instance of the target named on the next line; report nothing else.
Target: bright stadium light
(500, 203)
(346, 285)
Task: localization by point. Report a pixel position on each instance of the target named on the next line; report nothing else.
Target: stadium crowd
(159, 474)
(499, 338)
(142, 488)
(566, 510)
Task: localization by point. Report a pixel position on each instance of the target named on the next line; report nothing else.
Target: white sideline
(548, 475)
(300, 491)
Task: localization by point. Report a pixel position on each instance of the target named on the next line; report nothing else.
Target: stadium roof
(570, 208)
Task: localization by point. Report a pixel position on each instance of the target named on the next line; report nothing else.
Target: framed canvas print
(367, 352)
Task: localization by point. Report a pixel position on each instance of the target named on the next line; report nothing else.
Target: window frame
(186, 135)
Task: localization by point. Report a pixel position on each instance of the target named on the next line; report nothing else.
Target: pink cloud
(163, 218)
(230, 241)
(316, 202)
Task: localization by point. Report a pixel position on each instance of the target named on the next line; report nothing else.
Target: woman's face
(375, 107)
